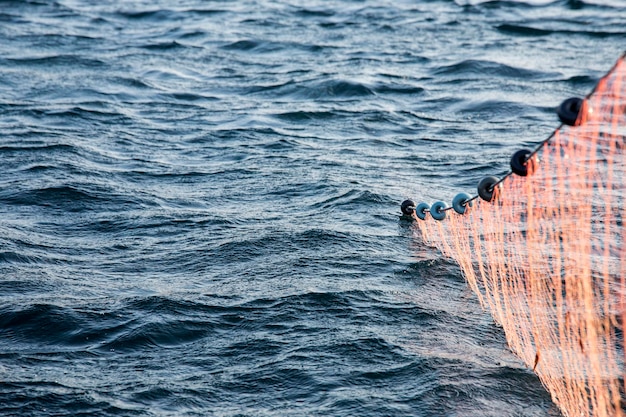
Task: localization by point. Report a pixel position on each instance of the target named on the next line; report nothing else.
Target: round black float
(568, 110)
(521, 164)
(486, 187)
(407, 207)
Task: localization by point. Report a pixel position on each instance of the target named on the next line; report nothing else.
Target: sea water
(199, 200)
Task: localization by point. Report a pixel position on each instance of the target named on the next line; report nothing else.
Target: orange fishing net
(547, 256)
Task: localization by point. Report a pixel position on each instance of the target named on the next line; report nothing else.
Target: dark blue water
(199, 200)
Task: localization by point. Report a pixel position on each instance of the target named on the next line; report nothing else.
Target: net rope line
(546, 255)
(423, 209)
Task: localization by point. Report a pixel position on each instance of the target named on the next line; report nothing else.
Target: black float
(568, 110)
(523, 163)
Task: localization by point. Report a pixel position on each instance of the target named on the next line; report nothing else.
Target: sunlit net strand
(547, 257)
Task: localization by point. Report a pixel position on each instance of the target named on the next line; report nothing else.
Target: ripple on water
(199, 202)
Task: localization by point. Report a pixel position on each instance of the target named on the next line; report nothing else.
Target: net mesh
(546, 257)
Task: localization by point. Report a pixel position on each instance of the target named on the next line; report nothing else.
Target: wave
(263, 46)
(532, 30)
(525, 4)
(61, 60)
(72, 198)
(352, 200)
(486, 68)
(165, 15)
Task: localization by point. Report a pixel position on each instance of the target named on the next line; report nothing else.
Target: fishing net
(546, 257)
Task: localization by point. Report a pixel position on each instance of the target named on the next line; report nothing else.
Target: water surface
(199, 201)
